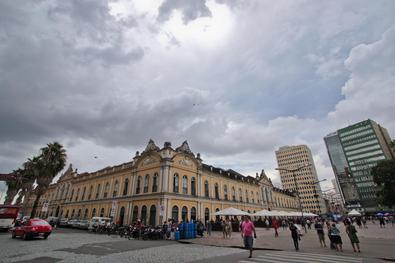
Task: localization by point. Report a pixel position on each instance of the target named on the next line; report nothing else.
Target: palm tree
(51, 161)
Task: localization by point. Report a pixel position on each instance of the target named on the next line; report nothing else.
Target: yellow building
(159, 184)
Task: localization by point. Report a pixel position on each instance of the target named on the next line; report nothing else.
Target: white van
(98, 221)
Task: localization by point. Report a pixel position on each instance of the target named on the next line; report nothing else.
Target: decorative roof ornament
(151, 146)
(263, 174)
(184, 148)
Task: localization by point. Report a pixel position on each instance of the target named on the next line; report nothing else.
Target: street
(70, 245)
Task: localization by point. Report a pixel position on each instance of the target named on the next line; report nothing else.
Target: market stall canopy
(230, 211)
(354, 213)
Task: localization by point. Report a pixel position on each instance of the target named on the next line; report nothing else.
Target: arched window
(72, 193)
(144, 215)
(116, 188)
(79, 213)
(83, 194)
(185, 184)
(184, 213)
(146, 183)
(93, 212)
(257, 197)
(206, 189)
(175, 183)
(216, 191)
(106, 189)
(90, 192)
(233, 194)
(102, 212)
(240, 195)
(121, 215)
(77, 195)
(125, 186)
(138, 185)
(225, 192)
(252, 197)
(135, 213)
(193, 186)
(193, 214)
(217, 217)
(86, 213)
(152, 215)
(98, 191)
(67, 214)
(206, 214)
(155, 183)
(174, 213)
(72, 213)
(247, 199)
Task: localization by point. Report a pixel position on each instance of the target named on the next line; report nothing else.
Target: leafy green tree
(384, 176)
(45, 167)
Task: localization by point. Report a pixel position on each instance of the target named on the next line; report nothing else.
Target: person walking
(247, 227)
(320, 232)
(382, 223)
(275, 224)
(352, 234)
(328, 227)
(336, 238)
(294, 234)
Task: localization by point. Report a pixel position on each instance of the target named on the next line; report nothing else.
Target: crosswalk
(299, 257)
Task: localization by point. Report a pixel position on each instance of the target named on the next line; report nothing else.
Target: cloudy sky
(237, 79)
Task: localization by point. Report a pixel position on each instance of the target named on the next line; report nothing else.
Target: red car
(32, 228)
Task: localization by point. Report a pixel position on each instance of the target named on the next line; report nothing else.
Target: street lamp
(293, 171)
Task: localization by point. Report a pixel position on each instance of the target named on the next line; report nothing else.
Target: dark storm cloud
(190, 10)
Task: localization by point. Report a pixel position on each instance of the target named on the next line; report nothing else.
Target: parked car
(75, 223)
(98, 221)
(52, 220)
(32, 228)
(83, 224)
(64, 222)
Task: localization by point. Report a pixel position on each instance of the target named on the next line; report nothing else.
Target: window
(146, 183)
(78, 193)
(144, 215)
(116, 188)
(86, 213)
(193, 186)
(206, 192)
(90, 192)
(135, 213)
(72, 193)
(155, 183)
(102, 212)
(94, 212)
(125, 186)
(152, 215)
(233, 194)
(247, 199)
(138, 185)
(79, 213)
(252, 197)
(174, 213)
(225, 192)
(206, 214)
(72, 213)
(240, 195)
(106, 189)
(193, 213)
(83, 194)
(98, 191)
(216, 190)
(175, 183)
(185, 184)
(184, 213)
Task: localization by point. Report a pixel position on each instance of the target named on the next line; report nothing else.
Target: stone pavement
(375, 242)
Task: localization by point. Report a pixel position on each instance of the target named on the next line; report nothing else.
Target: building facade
(293, 157)
(159, 184)
(364, 144)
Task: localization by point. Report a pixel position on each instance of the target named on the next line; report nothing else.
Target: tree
(384, 176)
(45, 167)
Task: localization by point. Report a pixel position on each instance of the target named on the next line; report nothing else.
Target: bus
(8, 214)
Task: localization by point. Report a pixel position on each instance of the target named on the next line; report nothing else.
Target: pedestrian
(295, 235)
(352, 234)
(247, 227)
(308, 222)
(320, 232)
(382, 223)
(303, 223)
(364, 222)
(359, 222)
(336, 238)
(275, 227)
(328, 227)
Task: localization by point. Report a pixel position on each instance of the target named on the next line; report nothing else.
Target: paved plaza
(68, 245)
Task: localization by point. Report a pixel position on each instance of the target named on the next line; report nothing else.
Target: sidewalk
(375, 242)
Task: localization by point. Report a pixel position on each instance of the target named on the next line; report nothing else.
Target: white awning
(230, 211)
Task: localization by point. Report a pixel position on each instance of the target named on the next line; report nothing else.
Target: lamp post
(293, 171)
